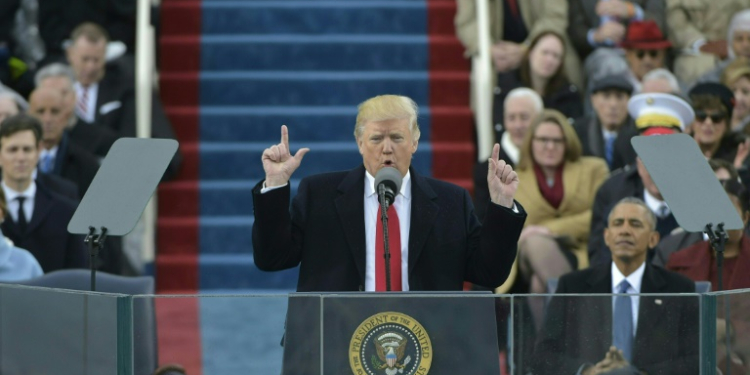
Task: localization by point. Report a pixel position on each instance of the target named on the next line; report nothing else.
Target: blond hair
(387, 107)
(573, 149)
(737, 69)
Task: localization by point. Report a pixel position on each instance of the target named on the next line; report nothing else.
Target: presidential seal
(390, 343)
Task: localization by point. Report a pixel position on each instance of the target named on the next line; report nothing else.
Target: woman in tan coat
(557, 192)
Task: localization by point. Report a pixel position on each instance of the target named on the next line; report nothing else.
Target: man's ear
(653, 239)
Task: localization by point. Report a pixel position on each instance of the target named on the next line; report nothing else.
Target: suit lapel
(351, 212)
(600, 282)
(650, 310)
(42, 207)
(423, 213)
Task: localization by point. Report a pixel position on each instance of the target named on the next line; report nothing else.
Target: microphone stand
(95, 243)
(386, 247)
(718, 240)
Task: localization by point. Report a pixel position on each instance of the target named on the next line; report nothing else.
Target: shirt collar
(652, 202)
(11, 194)
(513, 152)
(89, 88)
(52, 152)
(608, 133)
(405, 185)
(635, 279)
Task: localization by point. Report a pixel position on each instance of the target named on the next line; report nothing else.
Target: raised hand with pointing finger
(502, 180)
(278, 162)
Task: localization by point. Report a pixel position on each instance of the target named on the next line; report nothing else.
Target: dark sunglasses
(642, 53)
(715, 117)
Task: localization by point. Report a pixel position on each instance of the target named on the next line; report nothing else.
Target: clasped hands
(613, 360)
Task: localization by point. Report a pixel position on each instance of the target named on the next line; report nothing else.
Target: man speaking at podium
(334, 228)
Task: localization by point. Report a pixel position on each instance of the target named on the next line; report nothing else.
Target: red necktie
(394, 241)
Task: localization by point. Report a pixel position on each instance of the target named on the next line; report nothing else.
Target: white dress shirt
(93, 92)
(656, 204)
(28, 204)
(513, 152)
(402, 204)
(635, 280)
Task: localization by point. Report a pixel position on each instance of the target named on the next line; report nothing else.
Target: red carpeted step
(180, 53)
(186, 123)
(179, 89)
(453, 160)
(178, 236)
(441, 13)
(177, 272)
(451, 124)
(180, 17)
(446, 54)
(178, 199)
(449, 89)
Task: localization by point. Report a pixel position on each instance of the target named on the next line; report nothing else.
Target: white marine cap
(657, 113)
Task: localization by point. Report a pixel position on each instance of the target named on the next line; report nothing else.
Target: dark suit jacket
(93, 138)
(116, 97)
(59, 185)
(325, 232)
(75, 164)
(589, 131)
(47, 236)
(582, 17)
(578, 330)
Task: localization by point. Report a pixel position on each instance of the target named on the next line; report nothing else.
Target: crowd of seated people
(67, 68)
(644, 67)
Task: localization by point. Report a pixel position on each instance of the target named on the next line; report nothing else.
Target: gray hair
(638, 202)
(6, 92)
(661, 73)
(740, 22)
(55, 70)
(525, 92)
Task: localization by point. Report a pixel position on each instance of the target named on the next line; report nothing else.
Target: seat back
(144, 317)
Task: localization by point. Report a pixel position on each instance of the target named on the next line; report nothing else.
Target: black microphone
(390, 178)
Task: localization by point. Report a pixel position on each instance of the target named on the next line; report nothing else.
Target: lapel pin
(657, 301)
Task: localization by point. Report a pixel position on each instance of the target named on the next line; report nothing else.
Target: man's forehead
(392, 125)
(629, 211)
(84, 45)
(18, 137)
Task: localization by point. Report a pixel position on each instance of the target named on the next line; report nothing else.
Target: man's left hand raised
(501, 179)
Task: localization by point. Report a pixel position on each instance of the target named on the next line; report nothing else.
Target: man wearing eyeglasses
(645, 49)
(713, 104)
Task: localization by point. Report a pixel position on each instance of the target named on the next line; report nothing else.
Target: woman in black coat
(541, 70)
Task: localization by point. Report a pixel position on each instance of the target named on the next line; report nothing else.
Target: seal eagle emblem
(390, 343)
